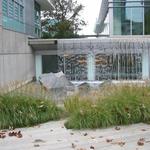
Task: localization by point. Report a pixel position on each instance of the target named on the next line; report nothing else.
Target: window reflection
(147, 18)
(131, 17)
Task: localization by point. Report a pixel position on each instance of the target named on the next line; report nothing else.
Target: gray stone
(84, 88)
(56, 81)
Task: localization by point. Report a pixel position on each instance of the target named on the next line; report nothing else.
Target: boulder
(84, 87)
(55, 81)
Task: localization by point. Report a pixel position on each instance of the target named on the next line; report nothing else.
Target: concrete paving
(54, 136)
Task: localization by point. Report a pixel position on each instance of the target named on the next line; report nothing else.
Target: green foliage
(72, 104)
(109, 106)
(64, 21)
(20, 111)
(124, 105)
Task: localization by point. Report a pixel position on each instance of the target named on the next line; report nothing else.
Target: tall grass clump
(20, 111)
(121, 105)
(74, 103)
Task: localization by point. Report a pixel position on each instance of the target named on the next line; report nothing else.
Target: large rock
(84, 85)
(84, 88)
(56, 81)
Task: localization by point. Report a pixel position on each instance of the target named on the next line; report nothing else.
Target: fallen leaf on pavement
(141, 142)
(92, 147)
(16, 134)
(19, 134)
(36, 145)
(73, 145)
(109, 140)
(120, 143)
(2, 133)
(39, 141)
(82, 149)
(59, 140)
(85, 134)
(2, 136)
(117, 128)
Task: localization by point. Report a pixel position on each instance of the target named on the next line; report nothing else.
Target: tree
(64, 21)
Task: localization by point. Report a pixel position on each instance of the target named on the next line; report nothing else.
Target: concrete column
(91, 66)
(111, 18)
(38, 64)
(145, 65)
(111, 23)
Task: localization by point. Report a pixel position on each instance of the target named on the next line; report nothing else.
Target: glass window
(10, 8)
(13, 15)
(4, 7)
(126, 21)
(21, 2)
(147, 20)
(21, 13)
(137, 21)
(117, 20)
(50, 63)
(122, 21)
(16, 12)
(128, 17)
(37, 18)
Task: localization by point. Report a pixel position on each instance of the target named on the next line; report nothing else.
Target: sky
(90, 14)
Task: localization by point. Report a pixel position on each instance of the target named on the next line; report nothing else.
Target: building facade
(129, 21)
(130, 17)
(19, 20)
(124, 55)
(126, 17)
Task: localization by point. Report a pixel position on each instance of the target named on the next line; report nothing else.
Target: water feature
(104, 58)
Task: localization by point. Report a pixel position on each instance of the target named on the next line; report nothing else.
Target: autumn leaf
(141, 142)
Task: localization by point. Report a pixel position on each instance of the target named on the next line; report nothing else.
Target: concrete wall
(16, 57)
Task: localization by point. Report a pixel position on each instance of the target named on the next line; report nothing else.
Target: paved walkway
(53, 136)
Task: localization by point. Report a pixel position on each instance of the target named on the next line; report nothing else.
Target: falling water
(115, 58)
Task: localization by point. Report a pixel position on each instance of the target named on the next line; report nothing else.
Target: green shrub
(20, 111)
(125, 105)
(73, 103)
(89, 118)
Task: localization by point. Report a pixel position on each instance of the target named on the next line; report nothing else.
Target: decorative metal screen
(74, 66)
(118, 66)
(115, 58)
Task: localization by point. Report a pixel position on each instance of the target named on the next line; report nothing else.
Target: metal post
(64, 65)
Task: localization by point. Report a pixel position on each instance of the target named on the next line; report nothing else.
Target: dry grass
(21, 110)
(111, 105)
